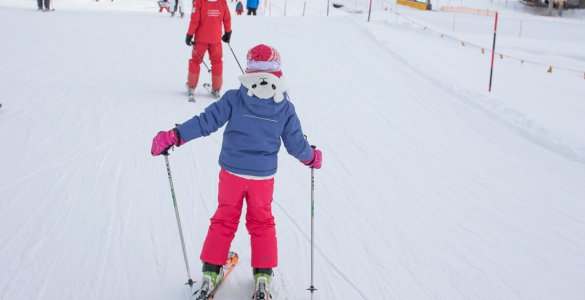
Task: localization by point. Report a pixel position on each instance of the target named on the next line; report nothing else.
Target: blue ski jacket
(252, 4)
(252, 137)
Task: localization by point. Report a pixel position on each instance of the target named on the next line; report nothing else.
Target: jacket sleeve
(227, 19)
(209, 121)
(195, 17)
(293, 138)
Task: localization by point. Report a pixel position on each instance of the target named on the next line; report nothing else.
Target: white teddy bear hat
(263, 74)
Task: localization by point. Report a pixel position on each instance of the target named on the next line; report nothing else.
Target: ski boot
(211, 276)
(191, 92)
(262, 278)
(216, 93)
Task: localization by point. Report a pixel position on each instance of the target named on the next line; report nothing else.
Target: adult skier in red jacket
(205, 34)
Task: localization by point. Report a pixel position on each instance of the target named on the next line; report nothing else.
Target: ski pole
(312, 287)
(236, 58)
(201, 58)
(190, 282)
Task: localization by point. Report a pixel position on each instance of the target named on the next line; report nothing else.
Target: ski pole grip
(312, 167)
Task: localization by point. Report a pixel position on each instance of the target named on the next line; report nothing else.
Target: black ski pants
(46, 2)
(251, 11)
(177, 6)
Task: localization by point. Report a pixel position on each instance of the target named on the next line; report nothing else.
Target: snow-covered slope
(431, 187)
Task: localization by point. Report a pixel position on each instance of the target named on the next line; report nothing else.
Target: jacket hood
(262, 107)
(264, 85)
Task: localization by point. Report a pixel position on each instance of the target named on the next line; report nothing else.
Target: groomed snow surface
(431, 187)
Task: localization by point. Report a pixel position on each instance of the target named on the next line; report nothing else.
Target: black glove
(226, 37)
(189, 40)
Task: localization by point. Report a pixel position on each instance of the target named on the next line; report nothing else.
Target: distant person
(239, 8)
(252, 6)
(205, 34)
(178, 5)
(46, 3)
(162, 5)
(258, 118)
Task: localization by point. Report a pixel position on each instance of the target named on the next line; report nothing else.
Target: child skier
(258, 115)
(239, 8)
(162, 5)
(205, 27)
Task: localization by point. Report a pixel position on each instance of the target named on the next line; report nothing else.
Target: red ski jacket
(206, 20)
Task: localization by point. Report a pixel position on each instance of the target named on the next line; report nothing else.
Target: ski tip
(232, 258)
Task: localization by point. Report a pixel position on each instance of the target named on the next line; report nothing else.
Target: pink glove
(316, 160)
(164, 140)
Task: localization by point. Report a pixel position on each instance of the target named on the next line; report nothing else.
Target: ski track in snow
(322, 254)
(496, 110)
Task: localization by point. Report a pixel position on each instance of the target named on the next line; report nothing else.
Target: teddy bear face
(264, 85)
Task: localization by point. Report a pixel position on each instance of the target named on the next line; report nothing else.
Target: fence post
(493, 51)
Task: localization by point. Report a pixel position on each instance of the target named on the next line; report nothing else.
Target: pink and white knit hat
(263, 58)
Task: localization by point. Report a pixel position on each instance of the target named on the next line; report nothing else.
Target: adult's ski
(192, 97)
(207, 87)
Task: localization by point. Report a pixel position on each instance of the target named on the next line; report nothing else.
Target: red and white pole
(493, 52)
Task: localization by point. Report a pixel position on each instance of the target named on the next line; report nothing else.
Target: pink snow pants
(259, 220)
